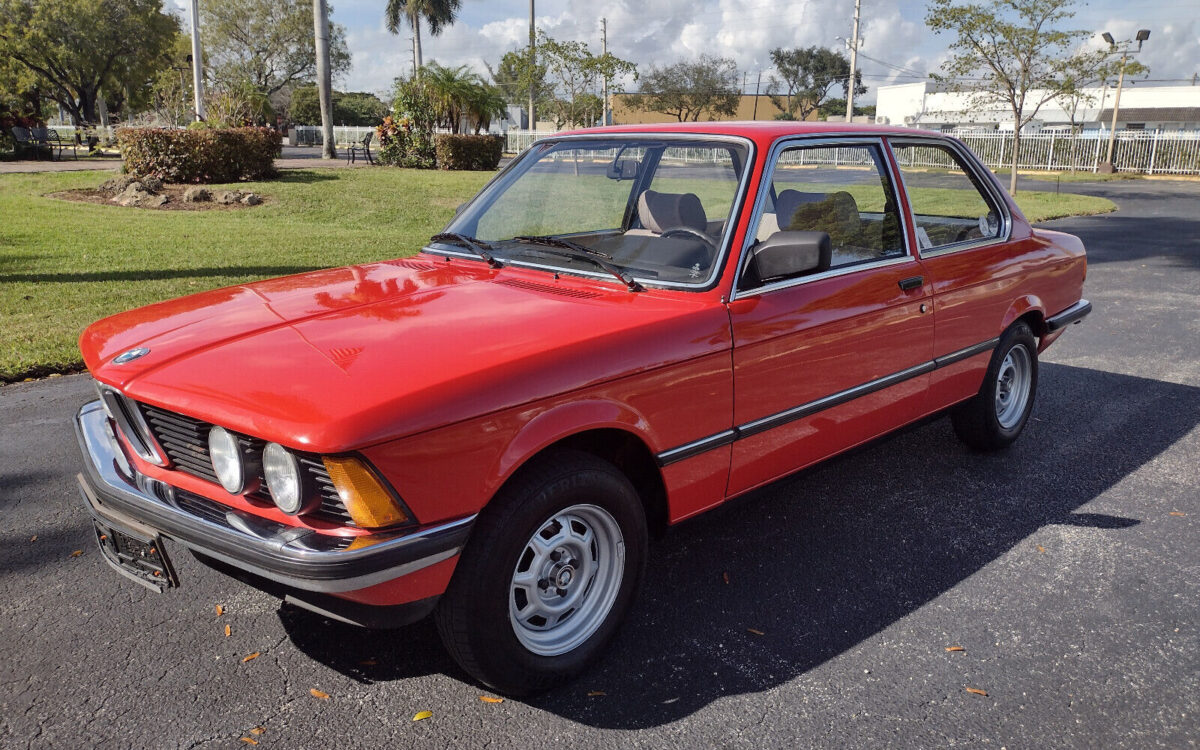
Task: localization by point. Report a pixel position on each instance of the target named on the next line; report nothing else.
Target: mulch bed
(174, 194)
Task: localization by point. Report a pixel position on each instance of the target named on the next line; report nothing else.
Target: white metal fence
(310, 135)
(1146, 151)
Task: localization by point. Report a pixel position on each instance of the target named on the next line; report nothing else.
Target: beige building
(624, 114)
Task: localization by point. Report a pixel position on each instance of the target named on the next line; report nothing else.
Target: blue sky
(897, 47)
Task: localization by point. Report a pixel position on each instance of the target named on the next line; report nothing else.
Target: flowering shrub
(200, 155)
(403, 145)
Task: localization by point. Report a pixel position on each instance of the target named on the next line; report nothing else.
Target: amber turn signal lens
(367, 500)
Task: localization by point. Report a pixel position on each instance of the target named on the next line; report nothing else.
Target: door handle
(912, 282)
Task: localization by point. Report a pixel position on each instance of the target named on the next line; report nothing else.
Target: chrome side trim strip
(778, 419)
(970, 351)
(1072, 314)
(836, 399)
(697, 447)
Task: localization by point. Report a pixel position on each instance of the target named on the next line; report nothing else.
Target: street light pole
(853, 64)
(197, 63)
(1142, 35)
(532, 65)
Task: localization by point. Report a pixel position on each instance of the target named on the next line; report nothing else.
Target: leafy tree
(266, 42)
(1007, 53)
(486, 103)
(514, 74)
(76, 48)
(355, 108)
(836, 108)
(574, 71)
(689, 90)
(809, 76)
(439, 14)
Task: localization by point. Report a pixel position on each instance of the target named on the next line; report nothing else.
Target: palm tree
(486, 104)
(451, 90)
(438, 13)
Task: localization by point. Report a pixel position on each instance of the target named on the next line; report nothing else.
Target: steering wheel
(693, 233)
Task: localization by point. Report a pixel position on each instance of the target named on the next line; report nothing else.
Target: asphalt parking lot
(815, 613)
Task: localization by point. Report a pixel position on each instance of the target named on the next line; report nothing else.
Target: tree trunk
(324, 77)
(416, 25)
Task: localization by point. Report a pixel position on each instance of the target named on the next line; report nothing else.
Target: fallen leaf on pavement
(227, 630)
(418, 716)
(670, 700)
(251, 656)
(368, 663)
(955, 648)
(976, 691)
(258, 730)
(33, 538)
(755, 631)
(595, 693)
(1174, 513)
(725, 577)
(77, 553)
(490, 699)
(249, 741)
(319, 694)
(220, 610)
(1041, 549)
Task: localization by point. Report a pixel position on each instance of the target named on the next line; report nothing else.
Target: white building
(1142, 107)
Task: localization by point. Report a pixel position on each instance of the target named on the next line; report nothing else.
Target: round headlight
(282, 472)
(226, 457)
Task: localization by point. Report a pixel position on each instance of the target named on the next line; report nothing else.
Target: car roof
(757, 130)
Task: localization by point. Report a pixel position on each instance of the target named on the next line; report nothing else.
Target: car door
(963, 231)
(825, 361)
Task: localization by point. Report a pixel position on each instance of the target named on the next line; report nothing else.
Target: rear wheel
(550, 571)
(994, 417)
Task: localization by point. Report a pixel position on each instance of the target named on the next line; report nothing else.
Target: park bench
(25, 140)
(50, 138)
(360, 147)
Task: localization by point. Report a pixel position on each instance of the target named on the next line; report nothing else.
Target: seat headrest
(788, 201)
(662, 211)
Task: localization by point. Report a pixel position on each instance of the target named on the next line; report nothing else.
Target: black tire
(983, 422)
(473, 616)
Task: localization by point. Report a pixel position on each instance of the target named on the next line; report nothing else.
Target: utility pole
(532, 65)
(853, 64)
(604, 51)
(413, 44)
(197, 63)
(757, 87)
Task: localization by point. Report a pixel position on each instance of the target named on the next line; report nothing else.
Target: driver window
(843, 191)
(947, 204)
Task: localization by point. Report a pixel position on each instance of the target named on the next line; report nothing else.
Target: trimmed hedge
(200, 155)
(476, 152)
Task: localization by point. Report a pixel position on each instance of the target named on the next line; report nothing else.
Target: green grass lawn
(65, 264)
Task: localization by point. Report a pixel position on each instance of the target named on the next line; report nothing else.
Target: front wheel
(550, 571)
(995, 416)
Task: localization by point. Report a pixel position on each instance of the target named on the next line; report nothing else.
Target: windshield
(649, 209)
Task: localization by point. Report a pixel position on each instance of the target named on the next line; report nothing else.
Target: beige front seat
(662, 211)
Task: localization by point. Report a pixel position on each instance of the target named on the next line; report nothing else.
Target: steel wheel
(566, 580)
(1013, 381)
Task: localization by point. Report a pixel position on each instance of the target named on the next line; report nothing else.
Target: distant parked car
(626, 327)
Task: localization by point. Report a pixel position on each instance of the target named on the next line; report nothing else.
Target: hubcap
(566, 580)
(1013, 383)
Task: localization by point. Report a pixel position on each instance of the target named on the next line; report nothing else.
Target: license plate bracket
(139, 557)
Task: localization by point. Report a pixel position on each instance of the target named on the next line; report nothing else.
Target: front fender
(562, 421)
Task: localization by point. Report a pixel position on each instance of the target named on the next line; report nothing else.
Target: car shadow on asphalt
(772, 585)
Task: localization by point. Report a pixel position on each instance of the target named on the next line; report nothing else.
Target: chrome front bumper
(119, 495)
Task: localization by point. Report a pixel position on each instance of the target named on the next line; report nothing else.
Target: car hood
(339, 359)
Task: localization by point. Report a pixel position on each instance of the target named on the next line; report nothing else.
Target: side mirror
(623, 169)
(791, 253)
(459, 209)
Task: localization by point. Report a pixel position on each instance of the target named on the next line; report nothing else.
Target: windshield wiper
(477, 246)
(569, 249)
